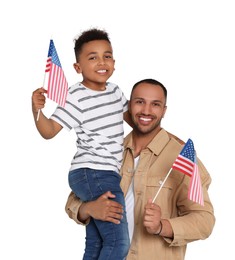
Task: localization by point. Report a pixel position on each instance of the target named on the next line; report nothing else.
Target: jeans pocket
(79, 184)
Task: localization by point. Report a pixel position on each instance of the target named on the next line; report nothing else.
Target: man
(159, 230)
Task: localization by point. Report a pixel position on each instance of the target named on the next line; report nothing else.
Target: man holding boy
(159, 230)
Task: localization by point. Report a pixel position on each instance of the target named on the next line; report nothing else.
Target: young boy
(95, 109)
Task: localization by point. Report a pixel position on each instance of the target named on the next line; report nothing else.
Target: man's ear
(165, 108)
(77, 67)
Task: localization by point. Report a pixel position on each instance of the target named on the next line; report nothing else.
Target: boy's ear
(77, 67)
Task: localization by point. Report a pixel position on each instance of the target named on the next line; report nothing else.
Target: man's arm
(194, 221)
(102, 208)
(72, 207)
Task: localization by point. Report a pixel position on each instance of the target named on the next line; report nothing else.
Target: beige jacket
(189, 220)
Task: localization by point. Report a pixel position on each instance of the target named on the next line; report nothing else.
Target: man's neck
(141, 141)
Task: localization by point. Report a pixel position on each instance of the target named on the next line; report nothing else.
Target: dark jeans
(104, 240)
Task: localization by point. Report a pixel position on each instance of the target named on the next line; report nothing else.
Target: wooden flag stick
(162, 185)
(43, 87)
(38, 114)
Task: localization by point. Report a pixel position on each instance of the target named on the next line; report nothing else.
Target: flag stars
(53, 54)
(188, 151)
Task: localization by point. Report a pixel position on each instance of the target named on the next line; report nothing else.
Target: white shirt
(97, 118)
(130, 204)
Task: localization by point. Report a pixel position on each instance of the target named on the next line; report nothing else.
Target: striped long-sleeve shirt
(97, 118)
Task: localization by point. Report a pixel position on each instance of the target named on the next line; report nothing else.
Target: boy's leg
(80, 181)
(91, 185)
(115, 237)
(93, 242)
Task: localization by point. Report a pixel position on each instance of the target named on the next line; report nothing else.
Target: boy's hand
(38, 99)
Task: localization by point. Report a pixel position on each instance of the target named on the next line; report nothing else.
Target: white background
(187, 45)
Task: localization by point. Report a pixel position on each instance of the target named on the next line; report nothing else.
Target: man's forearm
(83, 214)
(166, 230)
(72, 208)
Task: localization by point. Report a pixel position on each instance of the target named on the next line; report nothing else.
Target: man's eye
(156, 104)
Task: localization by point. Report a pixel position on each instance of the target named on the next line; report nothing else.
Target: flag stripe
(182, 169)
(48, 65)
(195, 189)
(184, 165)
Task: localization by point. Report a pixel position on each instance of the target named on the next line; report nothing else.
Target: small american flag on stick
(57, 83)
(187, 164)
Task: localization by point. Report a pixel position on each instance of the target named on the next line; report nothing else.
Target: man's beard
(145, 131)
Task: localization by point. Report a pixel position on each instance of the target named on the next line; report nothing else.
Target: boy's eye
(92, 58)
(108, 56)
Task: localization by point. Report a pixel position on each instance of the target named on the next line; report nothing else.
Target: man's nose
(146, 109)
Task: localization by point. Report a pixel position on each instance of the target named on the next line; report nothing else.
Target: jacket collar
(156, 145)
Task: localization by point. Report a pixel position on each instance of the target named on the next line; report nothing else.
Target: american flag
(57, 83)
(186, 163)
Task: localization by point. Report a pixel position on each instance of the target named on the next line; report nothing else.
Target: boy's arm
(48, 128)
(128, 119)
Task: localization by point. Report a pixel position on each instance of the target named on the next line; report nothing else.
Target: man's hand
(102, 209)
(152, 217)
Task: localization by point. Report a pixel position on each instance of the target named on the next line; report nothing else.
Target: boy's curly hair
(87, 36)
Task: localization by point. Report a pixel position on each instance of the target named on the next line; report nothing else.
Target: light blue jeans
(104, 240)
